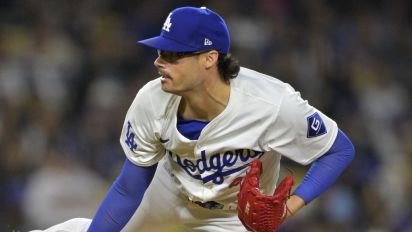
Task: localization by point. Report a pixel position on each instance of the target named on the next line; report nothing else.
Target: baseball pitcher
(204, 140)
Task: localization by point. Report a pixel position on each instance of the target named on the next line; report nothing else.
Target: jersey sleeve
(299, 131)
(138, 136)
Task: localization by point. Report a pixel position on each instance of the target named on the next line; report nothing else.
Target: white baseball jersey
(265, 118)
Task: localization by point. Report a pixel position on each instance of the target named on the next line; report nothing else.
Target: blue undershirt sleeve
(123, 198)
(326, 169)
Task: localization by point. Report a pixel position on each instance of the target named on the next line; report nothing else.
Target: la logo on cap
(167, 24)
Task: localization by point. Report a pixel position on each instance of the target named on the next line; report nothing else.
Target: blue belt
(209, 204)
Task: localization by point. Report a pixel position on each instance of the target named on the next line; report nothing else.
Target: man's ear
(211, 58)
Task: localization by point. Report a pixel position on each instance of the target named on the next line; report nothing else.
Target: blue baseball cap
(191, 29)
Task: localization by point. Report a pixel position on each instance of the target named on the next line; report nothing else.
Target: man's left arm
(322, 173)
(123, 198)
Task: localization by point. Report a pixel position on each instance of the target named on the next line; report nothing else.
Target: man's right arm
(123, 198)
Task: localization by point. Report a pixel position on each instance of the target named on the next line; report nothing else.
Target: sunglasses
(172, 57)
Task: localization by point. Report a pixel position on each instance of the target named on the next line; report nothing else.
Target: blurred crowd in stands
(70, 69)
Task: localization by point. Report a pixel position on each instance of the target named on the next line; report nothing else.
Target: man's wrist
(293, 205)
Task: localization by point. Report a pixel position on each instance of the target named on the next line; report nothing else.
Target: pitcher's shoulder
(260, 85)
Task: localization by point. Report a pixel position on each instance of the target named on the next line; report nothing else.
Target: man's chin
(172, 91)
(166, 89)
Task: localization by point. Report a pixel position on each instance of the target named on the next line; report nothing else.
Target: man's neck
(205, 104)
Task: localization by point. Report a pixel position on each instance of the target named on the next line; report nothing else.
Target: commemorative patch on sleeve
(316, 126)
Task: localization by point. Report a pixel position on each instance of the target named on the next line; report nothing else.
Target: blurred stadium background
(70, 69)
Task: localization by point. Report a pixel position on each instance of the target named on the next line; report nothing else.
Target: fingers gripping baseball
(258, 212)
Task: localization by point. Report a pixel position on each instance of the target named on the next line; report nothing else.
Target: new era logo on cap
(208, 42)
(191, 29)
